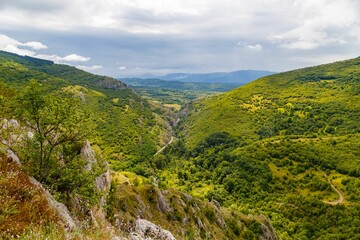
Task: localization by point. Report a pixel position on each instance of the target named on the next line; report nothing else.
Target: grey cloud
(35, 5)
(147, 41)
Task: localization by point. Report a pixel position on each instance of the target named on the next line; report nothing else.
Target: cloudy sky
(135, 37)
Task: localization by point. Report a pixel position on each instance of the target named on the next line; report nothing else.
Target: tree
(57, 127)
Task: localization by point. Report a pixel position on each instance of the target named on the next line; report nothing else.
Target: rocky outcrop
(11, 133)
(60, 208)
(88, 154)
(13, 136)
(102, 182)
(111, 83)
(163, 205)
(147, 230)
(218, 216)
(267, 229)
(11, 155)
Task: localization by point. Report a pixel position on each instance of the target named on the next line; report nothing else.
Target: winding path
(162, 149)
(338, 201)
(170, 141)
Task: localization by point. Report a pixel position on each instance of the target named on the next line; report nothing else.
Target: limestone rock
(103, 181)
(60, 208)
(11, 132)
(135, 236)
(89, 155)
(147, 230)
(216, 204)
(112, 83)
(10, 154)
(267, 229)
(163, 205)
(218, 217)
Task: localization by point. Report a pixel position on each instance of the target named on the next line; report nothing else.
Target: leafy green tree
(55, 121)
(57, 127)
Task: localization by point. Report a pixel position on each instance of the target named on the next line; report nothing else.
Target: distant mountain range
(237, 77)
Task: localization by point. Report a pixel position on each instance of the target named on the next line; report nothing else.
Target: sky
(129, 38)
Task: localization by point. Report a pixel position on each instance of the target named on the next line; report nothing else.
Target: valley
(277, 158)
(277, 146)
(84, 146)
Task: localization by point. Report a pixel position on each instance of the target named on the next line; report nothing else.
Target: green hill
(59, 127)
(283, 149)
(321, 100)
(278, 146)
(124, 127)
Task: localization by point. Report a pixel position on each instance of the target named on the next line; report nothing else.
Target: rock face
(89, 155)
(218, 216)
(11, 132)
(147, 230)
(102, 182)
(163, 205)
(112, 83)
(267, 229)
(10, 154)
(60, 208)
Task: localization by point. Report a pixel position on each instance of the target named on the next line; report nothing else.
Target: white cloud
(14, 49)
(14, 46)
(304, 45)
(75, 58)
(35, 45)
(57, 59)
(10, 43)
(318, 22)
(90, 68)
(122, 68)
(256, 47)
(5, 41)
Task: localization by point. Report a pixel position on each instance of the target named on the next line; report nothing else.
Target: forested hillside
(281, 152)
(122, 125)
(59, 128)
(286, 146)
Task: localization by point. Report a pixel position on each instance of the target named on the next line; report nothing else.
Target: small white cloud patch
(34, 45)
(14, 46)
(75, 58)
(257, 46)
(89, 68)
(14, 49)
(122, 68)
(5, 41)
